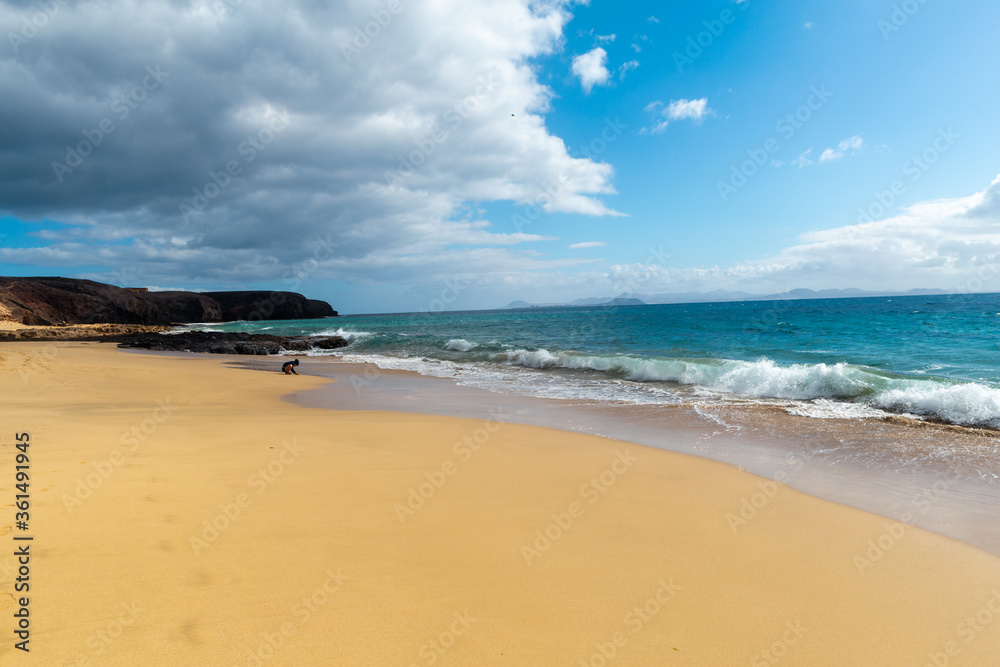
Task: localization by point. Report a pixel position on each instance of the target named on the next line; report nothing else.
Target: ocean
(931, 358)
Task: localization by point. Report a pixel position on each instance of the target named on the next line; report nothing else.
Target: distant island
(46, 301)
(717, 296)
(579, 303)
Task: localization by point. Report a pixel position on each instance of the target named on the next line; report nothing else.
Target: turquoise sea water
(935, 357)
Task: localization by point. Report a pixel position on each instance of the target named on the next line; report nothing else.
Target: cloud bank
(951, 244)
(227, 142)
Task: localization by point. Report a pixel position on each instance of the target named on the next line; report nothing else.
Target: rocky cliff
(42, 301)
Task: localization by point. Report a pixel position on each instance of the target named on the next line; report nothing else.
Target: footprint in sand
(200, 578)
(190, 633)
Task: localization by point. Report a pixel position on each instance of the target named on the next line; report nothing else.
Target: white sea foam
(968, 403)
(460, 345)
(823, 408)
(846, 390)
(343, 333)
(424, 366)
(500, 378)
(762, 378)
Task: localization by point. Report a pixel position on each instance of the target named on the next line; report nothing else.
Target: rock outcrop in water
(46, 301)
(218, 342)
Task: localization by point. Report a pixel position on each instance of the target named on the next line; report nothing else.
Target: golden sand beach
(182, 513)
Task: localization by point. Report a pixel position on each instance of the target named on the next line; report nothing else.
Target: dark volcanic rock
(228, 343)
(44, 301)
(264, 305)
(41, 301)
(185, 306)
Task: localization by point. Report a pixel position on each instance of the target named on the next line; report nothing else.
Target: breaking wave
(965, 403)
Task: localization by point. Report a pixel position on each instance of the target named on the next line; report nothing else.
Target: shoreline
(688, 394)
(827, 459)
(311, 563)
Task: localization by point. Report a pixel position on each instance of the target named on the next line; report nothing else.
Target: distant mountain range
(626, 299)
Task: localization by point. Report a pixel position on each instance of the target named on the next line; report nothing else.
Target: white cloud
(694, 110)
(950, 244)
(625, 68)
(809, 25)
(591, 68)
(657, 128)
(803, 159)
(653, 19)
(852, 144)
(688, 109)
(636, 42)
(386, 138)
(587, 244)
(605, 39)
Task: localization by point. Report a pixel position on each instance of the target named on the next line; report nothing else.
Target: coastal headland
(60, 301)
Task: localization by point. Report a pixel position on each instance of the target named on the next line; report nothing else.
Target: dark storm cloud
(221, 141)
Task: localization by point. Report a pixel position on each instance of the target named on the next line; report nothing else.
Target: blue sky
(640, 112)
(895, 93)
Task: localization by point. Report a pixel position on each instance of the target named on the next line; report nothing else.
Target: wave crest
(965, 403)
(343, 333)
(460, 345)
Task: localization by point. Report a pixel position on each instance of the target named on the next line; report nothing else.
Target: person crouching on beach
(289, 367)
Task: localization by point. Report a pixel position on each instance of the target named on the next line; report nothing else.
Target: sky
(398, 156)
